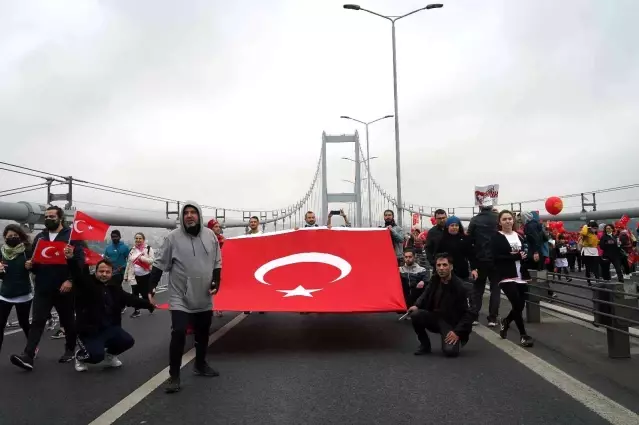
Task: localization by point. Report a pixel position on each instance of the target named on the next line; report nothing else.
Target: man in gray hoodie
(191, 257)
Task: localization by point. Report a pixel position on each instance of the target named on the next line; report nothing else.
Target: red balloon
(554, 205)
(433, 221)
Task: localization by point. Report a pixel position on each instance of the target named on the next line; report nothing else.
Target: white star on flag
(300, 291)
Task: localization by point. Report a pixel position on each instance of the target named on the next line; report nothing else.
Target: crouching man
(99, 301)
(443, 308)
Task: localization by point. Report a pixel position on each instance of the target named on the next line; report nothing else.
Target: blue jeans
(113, 340)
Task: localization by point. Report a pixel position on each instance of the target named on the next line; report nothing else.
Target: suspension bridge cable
(39, 185)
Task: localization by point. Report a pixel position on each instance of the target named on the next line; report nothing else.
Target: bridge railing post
(611, 309)
(537, 288)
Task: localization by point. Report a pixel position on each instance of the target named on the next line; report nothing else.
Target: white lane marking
(130, 401)
(15, 331)
(608, 409)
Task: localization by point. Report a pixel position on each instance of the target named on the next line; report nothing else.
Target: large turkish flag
(311, 270)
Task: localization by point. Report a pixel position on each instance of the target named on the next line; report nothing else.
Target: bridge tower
(344, 197)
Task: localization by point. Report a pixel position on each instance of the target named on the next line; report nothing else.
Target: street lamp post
(393, 19)
(368, 160)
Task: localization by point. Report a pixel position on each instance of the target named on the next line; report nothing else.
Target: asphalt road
(292, 369)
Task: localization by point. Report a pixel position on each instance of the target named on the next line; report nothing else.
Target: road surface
(317, 369)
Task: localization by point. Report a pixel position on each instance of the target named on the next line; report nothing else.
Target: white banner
(486, 196)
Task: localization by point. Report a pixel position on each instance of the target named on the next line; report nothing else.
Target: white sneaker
(80, 366)
(111, 361)
(492, 324)
(475, 323)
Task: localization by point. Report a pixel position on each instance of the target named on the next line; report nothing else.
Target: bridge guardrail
(613, 307)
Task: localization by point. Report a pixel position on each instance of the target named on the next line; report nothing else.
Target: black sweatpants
(113, 340)
(201, 324)
(43, 302)
(591, 263)
(605, 268)
(516, 294)
(141, 288)
(22, 311)
(487, 271)
(423, 321)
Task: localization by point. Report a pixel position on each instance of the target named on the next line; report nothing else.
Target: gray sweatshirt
(189, 261)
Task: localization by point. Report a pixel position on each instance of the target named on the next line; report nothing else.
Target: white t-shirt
(515, 246)
(52, 236)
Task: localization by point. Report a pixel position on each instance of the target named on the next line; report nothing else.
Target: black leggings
(22, 311)
(141, 288)
(591, 263)
(605, 268)
(516, 294)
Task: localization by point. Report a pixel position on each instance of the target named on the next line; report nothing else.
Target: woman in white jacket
(138, 269)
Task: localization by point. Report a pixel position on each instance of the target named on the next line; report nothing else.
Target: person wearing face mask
(15, 290)
(589, 242)
(98, 303)
(53, 288)
(610, 254)
(192, 259)
(397, 235)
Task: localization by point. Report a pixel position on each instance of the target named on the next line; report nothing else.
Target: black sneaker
(67, 356)
(59, 334)
(205, 370)
(136, 314)
(526, 341)
(23, 361)
(422, 349)
(172, 385)
(503, 329)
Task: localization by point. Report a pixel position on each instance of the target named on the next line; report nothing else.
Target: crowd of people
(443, 274)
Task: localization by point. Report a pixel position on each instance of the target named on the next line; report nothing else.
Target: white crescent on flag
(305, 257)
(44, 251)
(75, 226)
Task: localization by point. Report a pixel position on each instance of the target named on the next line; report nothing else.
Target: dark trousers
(42, 304)
(591, 263)
(201, 323)
(22, 311)
(141, 288)
(423, 321)
(516, 294)
(487, 271)
(113, 340)
(605, 268)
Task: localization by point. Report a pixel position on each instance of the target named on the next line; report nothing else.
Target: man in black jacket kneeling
(444, 308)
(98, 303)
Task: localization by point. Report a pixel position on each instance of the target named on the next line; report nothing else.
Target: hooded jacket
(192, 262)
(534, 234)
(481, 230)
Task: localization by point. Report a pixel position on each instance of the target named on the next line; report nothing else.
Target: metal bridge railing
(613, 308)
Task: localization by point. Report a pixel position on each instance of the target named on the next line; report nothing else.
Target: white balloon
(305, 257)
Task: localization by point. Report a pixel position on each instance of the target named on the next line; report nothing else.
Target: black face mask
(115, 241)
(51, 224)
(13, 242)
(389, 221)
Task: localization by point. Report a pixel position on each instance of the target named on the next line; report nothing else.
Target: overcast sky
(225, 101)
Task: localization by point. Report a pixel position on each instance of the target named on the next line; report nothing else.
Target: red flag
(311, 270)
(141, 263)
(91, 258)
(86, 228)
(47, 252)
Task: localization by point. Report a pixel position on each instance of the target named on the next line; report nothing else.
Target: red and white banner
(48, 252)
(486, 196)
(416, 219)
(311, 270)
(86, 228)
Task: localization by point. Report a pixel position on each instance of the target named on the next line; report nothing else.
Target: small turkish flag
(86, 228)
(48, 252)
(311, 270)
(141, 263)
(91, 258)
